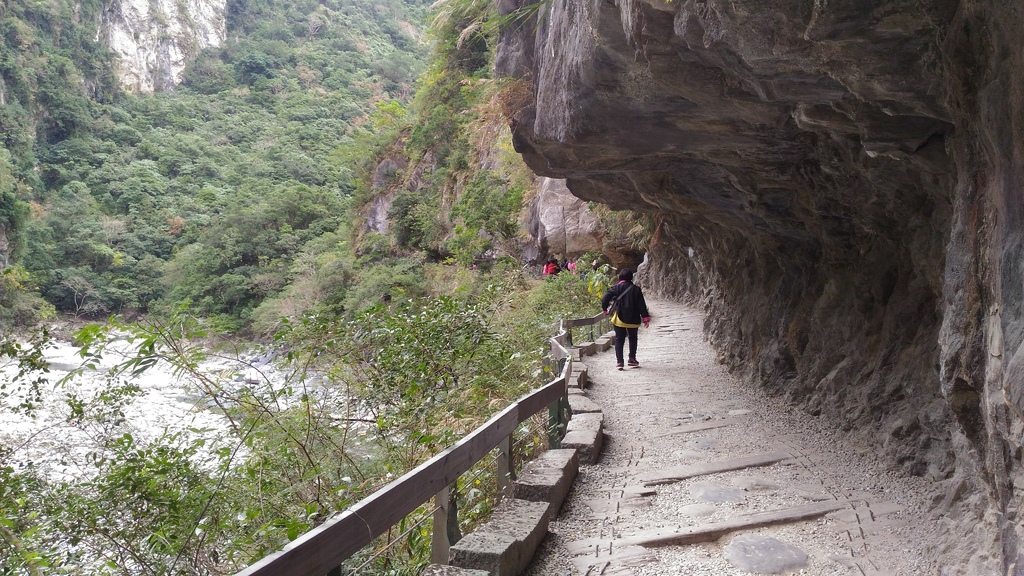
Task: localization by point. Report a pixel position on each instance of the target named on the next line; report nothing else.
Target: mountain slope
(203, 195)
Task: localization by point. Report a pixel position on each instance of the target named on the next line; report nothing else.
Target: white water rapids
(50, 439)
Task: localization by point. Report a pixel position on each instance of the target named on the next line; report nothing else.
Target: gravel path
(880, 529)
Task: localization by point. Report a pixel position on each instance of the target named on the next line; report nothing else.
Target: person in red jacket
(630, 312)
(551, 267)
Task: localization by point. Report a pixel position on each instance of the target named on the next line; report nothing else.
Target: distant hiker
(551, 267)
(625, 302)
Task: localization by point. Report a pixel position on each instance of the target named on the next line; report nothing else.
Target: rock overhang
(838, 183)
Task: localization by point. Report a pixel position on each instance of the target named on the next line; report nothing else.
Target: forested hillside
(206, 196)
(332, 176)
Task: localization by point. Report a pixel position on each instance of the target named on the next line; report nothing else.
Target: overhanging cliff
(839, 185)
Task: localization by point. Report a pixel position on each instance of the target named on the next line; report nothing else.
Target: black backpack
(613, 306)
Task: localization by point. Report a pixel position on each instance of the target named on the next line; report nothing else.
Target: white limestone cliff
(155, 39)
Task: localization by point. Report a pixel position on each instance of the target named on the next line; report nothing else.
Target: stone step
(868, 511)
(582, 351)
(683, 472)
(548, 478)
(699, 427)
(506, 543)
(605, 341)
(707, 532)
(585, 433)
(603, 507)
(442, 570)
(582, 405)
(579, 377)
(619, 562)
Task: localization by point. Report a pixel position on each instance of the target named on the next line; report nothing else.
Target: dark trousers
(620, 337)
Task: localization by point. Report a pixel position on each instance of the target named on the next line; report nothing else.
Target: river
(147, 406)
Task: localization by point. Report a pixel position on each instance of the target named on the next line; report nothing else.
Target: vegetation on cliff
(206, 195)
(229, 203)
(357, 404)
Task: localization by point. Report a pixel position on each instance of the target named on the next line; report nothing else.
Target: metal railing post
(506, 466)
(454, 532)
(557, 410)
(555, 425)
(566, 408)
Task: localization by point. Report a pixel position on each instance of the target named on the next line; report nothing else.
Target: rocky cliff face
(5, 246)
(553, 222)
(839, 185)
(156, 38)
(560, 224)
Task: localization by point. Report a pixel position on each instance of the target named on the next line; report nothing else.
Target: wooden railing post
(506, 466)
(439, 544)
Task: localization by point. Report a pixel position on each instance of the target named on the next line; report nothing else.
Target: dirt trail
(681, 414)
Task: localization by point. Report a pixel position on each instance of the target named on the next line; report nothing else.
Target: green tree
(257, 123)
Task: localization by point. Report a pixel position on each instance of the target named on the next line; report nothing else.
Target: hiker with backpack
(625, 303)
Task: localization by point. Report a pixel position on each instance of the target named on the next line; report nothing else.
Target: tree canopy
(205, 195)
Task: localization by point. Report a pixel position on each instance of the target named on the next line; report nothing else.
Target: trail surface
(702, 474)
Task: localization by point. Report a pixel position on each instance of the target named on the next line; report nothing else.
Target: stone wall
(838, 184)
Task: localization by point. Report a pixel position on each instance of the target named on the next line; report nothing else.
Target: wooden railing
(321, 551)
(591, 328)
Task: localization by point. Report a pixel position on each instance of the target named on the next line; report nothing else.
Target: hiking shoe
(618, 366)
(633, 363)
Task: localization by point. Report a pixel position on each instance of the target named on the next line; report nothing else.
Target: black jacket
(632, 306)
